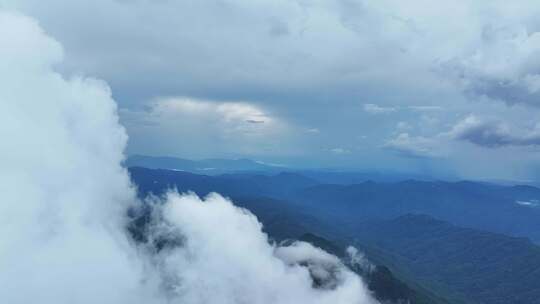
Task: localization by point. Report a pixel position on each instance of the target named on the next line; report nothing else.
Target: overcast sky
(451, 88)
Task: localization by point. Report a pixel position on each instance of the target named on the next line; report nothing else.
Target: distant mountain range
(217, 166)
(512, 210)
(414, 229)
(204, 166)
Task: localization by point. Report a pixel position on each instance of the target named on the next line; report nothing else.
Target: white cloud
(234, 127)
(426, 108)
(359, 260)
(65, 199)
(247, 268)
(531, 203)
(413, 146)
(376, 109)
(340, 151)
(227, 112)
(64, 193)
(403, 126)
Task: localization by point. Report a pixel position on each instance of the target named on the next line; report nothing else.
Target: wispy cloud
(340, 151)
(413, 146)
(426, 108)
(376, 109)
(530, 203)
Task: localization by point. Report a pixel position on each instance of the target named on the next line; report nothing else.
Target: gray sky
(388, 84)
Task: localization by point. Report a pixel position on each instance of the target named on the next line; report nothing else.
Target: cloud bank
(65, 197)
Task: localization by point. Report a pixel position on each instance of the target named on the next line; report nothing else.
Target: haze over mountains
(513, 210)
(207, 166)
(460, 242)
(222, 166)
(329, 175)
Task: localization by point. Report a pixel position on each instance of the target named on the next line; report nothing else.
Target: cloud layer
(318, 65)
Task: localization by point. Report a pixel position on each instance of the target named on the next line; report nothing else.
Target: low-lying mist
(65, 199)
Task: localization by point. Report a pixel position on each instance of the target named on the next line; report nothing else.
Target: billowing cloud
(64, 194)
(237, 263)
(493, 133)
(65, 201)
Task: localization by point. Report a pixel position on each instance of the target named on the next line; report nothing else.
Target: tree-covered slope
(481, 266)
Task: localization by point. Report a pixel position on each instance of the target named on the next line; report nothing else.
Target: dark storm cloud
(505, 66)
(493, 134)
